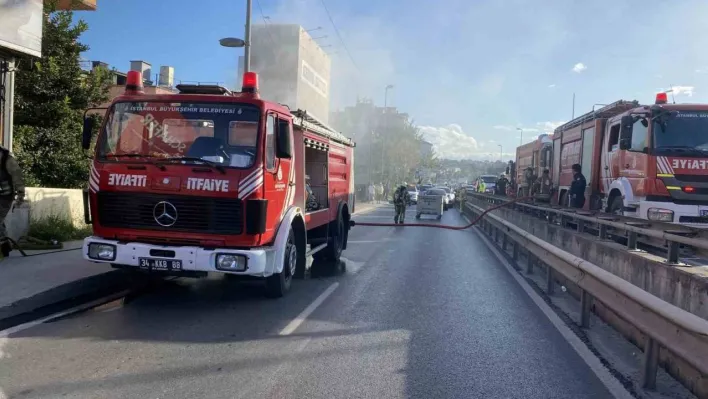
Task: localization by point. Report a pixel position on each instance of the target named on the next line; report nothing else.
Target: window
(613, 143)
(270, 142)
(640, 132)
(284, 126)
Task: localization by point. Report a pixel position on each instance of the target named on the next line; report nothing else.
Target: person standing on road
(371, 192)
(400, 199)
(12, 189)
(379, 193)
(577, 188)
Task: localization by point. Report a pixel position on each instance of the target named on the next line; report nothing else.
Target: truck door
(277, 177)
(610, 156)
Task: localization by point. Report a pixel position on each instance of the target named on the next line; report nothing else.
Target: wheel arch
(293, 219)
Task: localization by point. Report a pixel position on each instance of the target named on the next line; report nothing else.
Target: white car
(413, 192)
(441, 192)
(447, 202)
(450, 194)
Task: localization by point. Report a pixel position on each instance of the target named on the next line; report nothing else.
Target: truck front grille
(194, 214)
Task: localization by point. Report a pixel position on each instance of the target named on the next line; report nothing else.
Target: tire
(335, 245)
(278, 284)
(616, 205)
(439, 217)
(417, 215)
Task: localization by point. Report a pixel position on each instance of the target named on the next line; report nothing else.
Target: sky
(468, 72)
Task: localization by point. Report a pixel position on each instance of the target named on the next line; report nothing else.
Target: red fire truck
(649, 162)
(537, 155)
(207, 180)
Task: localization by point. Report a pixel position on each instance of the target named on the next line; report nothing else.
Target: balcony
(77, 5)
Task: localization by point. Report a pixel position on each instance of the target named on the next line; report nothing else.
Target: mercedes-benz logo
(165, 214)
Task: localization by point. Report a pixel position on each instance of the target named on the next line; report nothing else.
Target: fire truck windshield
(687, 131)
(222, 133)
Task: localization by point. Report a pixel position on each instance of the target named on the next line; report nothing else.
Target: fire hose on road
(441, 226)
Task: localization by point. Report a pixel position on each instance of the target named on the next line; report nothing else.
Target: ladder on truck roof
(608, 111)
(309, 122)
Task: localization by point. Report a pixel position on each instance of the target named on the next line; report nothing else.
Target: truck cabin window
(226, 134)
(685, 134)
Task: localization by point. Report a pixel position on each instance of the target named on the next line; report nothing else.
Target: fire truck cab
(206, 180)
(645, 161)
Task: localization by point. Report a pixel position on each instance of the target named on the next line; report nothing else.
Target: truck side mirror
(87, 133)
(283, 143)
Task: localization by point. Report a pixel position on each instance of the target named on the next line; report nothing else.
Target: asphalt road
(419, 313)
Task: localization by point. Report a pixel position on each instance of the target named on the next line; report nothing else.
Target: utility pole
(385, 122)
(247, 46)
(501, 153)
(521, 135)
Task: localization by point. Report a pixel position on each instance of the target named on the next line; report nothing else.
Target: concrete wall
(43, 202)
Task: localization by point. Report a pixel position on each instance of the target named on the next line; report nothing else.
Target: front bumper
(260, 261)
(690, 215)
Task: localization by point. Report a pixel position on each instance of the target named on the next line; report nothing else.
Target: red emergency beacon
(661, 98)
(250, 82)
(134, 83)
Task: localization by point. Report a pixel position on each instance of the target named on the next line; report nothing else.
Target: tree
(51, 95)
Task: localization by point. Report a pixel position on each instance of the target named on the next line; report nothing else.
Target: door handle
(607, 167)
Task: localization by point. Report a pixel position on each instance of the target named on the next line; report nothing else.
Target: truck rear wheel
(279, 283)
(616, 205)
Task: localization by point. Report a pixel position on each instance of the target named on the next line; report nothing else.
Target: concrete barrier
(43, 202)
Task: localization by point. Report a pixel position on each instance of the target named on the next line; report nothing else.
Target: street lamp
(501, 153)
(383, 148)
(521, 136)
(245, 43)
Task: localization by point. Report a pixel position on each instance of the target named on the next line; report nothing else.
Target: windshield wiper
(147, 156)
(197, 160)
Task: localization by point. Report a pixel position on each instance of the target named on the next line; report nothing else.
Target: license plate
(160, 264)
(704, 213)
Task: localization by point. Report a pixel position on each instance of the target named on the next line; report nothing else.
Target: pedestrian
(577, 187)
(529, 179)
(387, 189)
(379, 192)
(544, 186)
(372, 192)
(12, 189)
(400, 199)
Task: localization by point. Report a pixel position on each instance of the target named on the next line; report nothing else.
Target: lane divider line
(297, 321)
(602, 373)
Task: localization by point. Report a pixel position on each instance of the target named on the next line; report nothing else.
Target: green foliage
(58, 228)
(51, 95)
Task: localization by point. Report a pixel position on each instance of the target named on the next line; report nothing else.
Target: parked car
(413, 192)
(490, 181)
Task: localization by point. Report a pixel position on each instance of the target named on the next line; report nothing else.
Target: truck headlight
(660, 215)
(231, 262)
(101, 251)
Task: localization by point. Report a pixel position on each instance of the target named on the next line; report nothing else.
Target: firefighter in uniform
(400, 199)
(543, 187)
(500, 186)
(12, 189)
(577, 187)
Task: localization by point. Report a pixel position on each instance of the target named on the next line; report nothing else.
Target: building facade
(293, 69)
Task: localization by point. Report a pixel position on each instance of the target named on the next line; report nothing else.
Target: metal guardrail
(672, 234)
(680, 332)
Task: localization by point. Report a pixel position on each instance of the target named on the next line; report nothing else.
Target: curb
(64, 296)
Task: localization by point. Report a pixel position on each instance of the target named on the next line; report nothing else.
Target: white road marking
(610, 382)
(296, 322)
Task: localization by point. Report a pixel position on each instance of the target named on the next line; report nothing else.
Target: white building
(293, 69)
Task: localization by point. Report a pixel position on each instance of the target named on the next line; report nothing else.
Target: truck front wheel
(279, 283)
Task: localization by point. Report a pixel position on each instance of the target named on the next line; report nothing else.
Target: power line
(338, 34)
